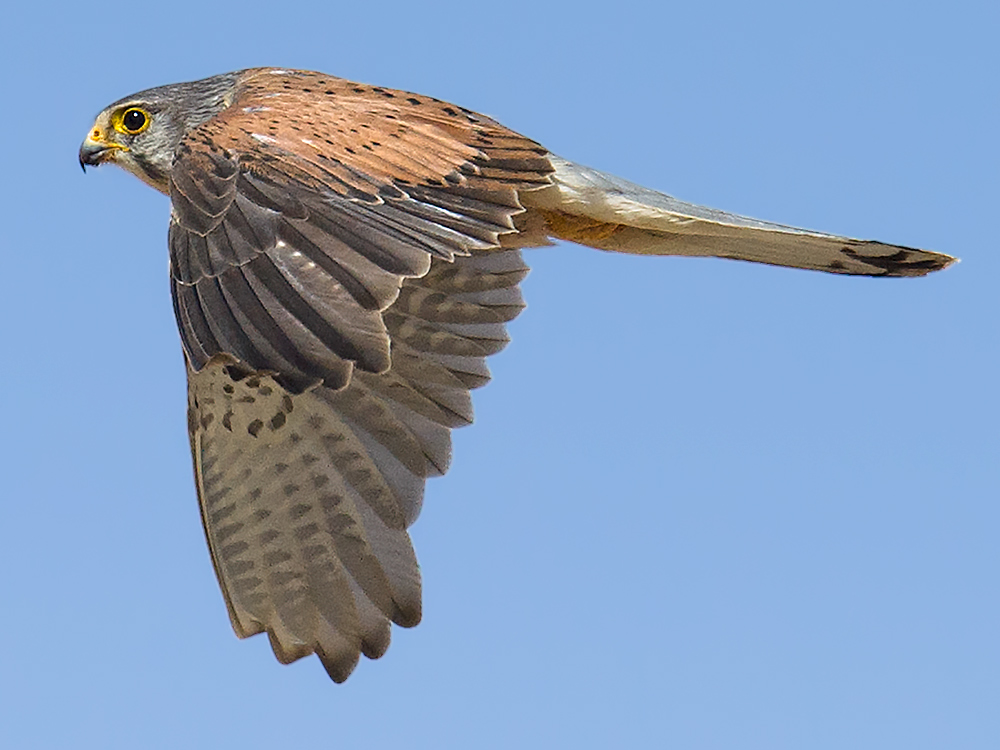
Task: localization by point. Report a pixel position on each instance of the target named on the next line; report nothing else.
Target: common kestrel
(343, 258)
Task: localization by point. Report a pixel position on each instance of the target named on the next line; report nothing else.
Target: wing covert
(291, 236)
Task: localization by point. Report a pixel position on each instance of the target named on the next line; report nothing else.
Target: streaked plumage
(343, 259)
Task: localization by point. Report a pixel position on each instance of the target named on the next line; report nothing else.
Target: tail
(600, 210)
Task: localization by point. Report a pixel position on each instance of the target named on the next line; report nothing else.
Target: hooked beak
(97, 149)
(91, 154)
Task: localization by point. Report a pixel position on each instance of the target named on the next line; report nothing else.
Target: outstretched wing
(593, 208)
(338, 279)
(306, 497)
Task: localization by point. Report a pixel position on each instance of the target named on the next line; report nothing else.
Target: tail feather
(606, 212)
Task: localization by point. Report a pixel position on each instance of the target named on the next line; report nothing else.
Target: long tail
(600, 210)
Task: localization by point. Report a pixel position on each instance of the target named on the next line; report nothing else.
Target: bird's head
(141, 133)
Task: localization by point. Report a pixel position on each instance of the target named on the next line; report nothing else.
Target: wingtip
(930, 262)
(902, 262)
(948, 260)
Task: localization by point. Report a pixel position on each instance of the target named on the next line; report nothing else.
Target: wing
(299, 210)
(306, 497)
(338, 280)
(603, 211)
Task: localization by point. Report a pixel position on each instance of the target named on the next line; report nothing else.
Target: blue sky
(705, 504)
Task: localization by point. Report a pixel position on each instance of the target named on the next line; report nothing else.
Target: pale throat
(129, 163)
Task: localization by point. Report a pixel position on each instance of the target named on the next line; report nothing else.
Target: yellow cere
(97, 136)
(131, 120)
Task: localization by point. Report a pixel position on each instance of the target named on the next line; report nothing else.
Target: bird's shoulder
(328, 133)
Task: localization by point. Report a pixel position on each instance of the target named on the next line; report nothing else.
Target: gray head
(141, 133)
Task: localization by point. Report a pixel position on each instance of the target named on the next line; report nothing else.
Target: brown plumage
(343, 259)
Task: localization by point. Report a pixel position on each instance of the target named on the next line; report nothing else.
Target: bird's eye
(133, 120)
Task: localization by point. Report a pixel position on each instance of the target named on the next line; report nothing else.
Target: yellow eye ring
(131, 120)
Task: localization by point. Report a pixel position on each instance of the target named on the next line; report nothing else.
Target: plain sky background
(705, 504)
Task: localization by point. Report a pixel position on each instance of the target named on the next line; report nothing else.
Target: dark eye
(134, 120)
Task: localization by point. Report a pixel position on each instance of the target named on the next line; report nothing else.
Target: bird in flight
(343, 259)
